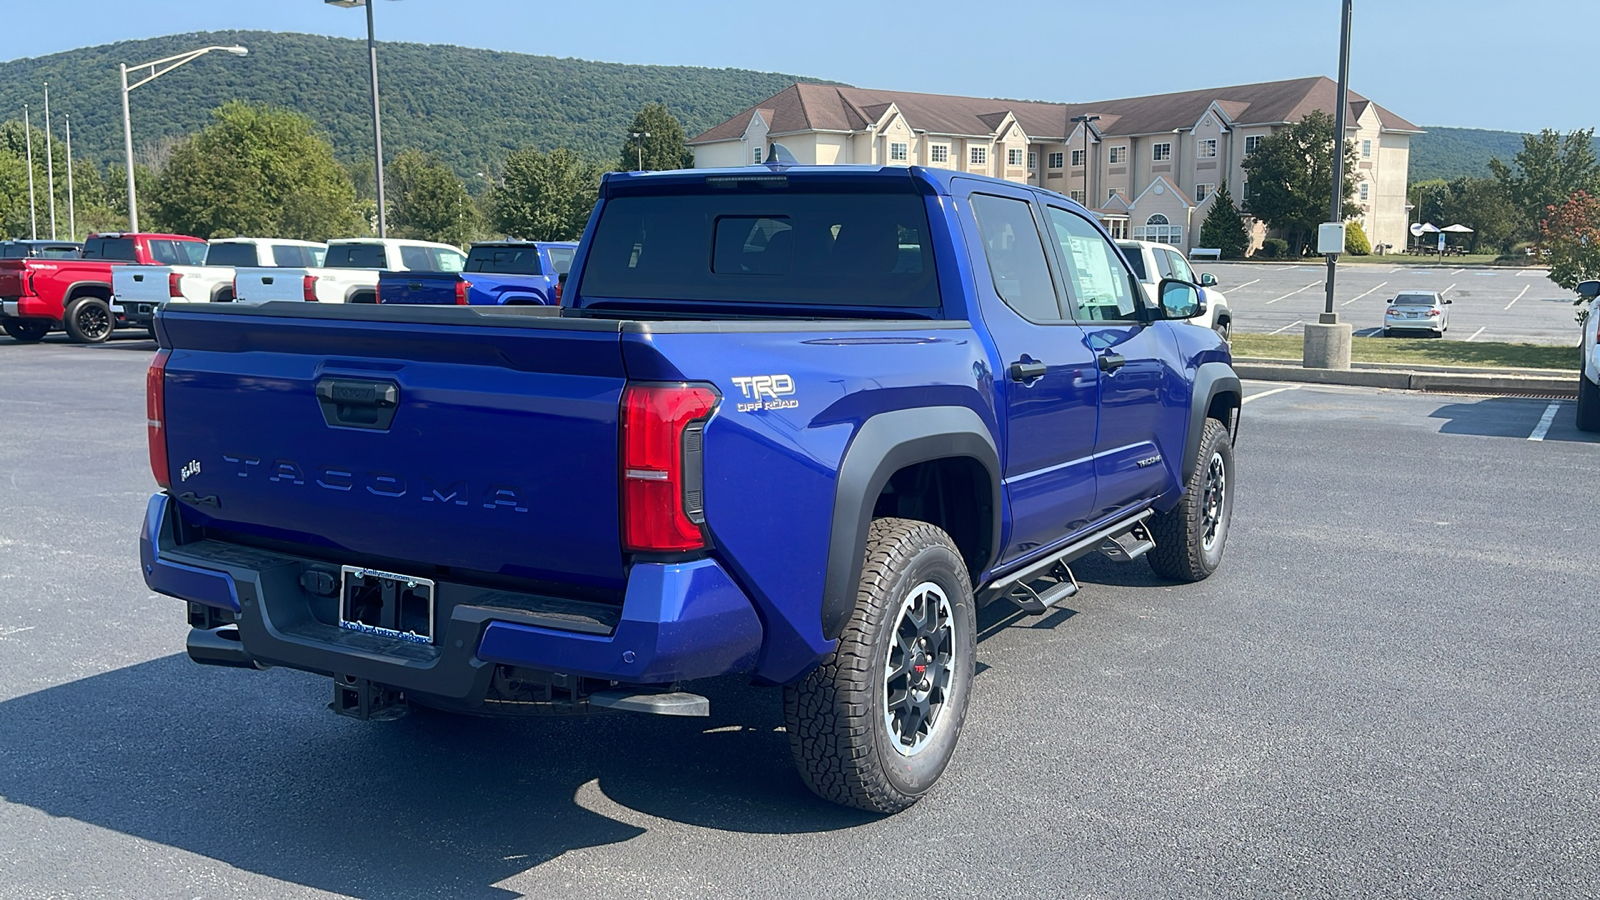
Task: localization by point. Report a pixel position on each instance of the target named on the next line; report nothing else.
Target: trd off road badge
(765, 392)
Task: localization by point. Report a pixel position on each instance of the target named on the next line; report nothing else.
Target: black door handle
(1028, 371)
(266, 279)
(1110, 362)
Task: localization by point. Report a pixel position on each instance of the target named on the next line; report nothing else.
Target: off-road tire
(26, 331)
(89, 321)
(1588, 404)
(1224, 330)
(837, 717)
(1182, 552)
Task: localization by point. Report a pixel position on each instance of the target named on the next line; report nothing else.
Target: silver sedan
(1417, 311)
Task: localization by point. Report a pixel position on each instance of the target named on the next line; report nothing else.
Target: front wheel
(26, 331)
(1224, 327)
(89, 321)
(1588, 404)
(1190, 537)
(876, 723)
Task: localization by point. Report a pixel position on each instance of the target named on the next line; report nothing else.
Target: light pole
(1084, 121)
(49, 161)
(638, 144)
(377, 119)
(1327, 343)
(157, 69)
(72, 209)
(33, 215)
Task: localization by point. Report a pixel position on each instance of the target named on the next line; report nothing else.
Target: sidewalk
(1415, 378)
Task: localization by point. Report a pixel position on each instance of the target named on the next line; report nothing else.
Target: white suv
(1589, 374)
(1152, 262)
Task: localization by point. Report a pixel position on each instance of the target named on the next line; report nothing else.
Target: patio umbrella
(1455, 229)
(1430, 228)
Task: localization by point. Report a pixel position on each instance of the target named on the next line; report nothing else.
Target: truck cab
(39, 294)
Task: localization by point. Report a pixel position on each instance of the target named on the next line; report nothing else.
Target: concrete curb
(1439, 382)
(1447, 370)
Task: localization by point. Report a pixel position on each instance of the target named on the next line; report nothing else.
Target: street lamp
(1084, 121)
(638, 143)
(377, 123)
(1327, 343)
(157, 69)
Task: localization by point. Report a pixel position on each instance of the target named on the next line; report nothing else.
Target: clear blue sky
(1510, 64)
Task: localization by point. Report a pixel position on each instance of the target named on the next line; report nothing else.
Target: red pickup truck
(39, 294)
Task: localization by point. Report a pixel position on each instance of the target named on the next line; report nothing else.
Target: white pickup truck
(140, 290)
(1589, 367)
(350, 272)
(1152, 262)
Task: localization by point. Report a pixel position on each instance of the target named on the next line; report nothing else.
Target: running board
(1039, 595)
(675, 703)
(1129, 545)
(1003, 586)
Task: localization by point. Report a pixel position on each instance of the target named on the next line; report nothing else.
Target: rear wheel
(1588, 404)
(89, 320)
(27, 331)
(874, 726)
(1190, 537)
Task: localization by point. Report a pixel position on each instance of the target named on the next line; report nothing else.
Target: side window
(416, 259)
(165, 253)
(1180, 267)
(1096, 277)
(1012, 244)
(448, 260)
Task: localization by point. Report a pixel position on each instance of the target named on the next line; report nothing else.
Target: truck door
(1046, 380)
(1141, 395)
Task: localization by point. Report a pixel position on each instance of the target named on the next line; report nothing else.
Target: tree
(427, 201)
(1482, 204)
(1291, 179)
(1355, 240)
(259, 171)
(1549, 168)
(1571, 232)
(666, 148)
(1224, 227)
(545, 196)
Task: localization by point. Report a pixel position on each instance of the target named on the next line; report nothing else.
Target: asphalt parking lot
(1387, 690)
(1516, 305)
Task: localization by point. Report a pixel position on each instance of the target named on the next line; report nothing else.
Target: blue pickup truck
(792, 423)
(498, 273)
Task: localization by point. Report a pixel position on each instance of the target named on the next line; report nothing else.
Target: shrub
(1273, 248)
(1355, 240)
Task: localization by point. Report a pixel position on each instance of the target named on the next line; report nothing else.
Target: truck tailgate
(143, 284)
(411, 437)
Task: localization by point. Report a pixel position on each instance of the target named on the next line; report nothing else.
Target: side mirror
(1208, 280)
(1180, 299)
(1590, 289)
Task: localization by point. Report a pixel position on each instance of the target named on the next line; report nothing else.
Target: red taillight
(174, 284)
(155, 408)
(1435, 312)
(557, 301)
(235, 293)
(663, 428)
(308, 288)
(1391, 311)
(462, 287)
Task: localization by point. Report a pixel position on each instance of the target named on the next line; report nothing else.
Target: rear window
(294, 256)
(1414, 300)
(109, 248)
(232, 255)
(506, 260)
(802, 249)
(357, 256)
(1135, 261)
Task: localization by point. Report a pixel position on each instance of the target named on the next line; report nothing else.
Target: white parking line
(1458, 271)
(1238, 287)
(1530, 273)
(1539, 430)
(1287, 327)
(1447, 290)
(1359, 296)
(1292, 293)
(1518, 297)
(1292, 387)
(1478, 332)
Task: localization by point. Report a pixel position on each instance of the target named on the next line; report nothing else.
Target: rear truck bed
(303, 445)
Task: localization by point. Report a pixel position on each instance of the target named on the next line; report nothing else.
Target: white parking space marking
(1363, 294)
(1518, 297)
(1543, 428)
(1478, 332)
(1293, 292)
(1287, 327)
(1447, 290)
(1292, 387)
(1240, 287)
(1457, 272)
(1530, 273)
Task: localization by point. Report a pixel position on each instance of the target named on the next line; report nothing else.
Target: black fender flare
(77, 286)
(1210, 380)
(885, 444)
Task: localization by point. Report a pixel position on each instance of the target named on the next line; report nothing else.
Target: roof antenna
(779, 157)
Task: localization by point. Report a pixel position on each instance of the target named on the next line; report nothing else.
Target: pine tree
(1224, 227)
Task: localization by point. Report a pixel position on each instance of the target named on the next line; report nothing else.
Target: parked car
(349, 272)
(795, 435)
(1417, 311)
(1153, 262)
(140, 290)
(38, 294)
(1589, 371)
(497, 273)
(22, 249)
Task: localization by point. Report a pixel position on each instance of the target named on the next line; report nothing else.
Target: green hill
(472, 107)
(1453, 152)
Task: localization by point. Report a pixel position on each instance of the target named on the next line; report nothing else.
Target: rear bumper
(29, 308)
(1435, 325)
(677, 622)
(137, 312)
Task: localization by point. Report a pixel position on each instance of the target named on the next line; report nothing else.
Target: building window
(1118, 155)
(1118, 229)
(978, 156)
(1112, 194)
(1251, 143)
(1055, 160)
(1158, 229)
(897, 152)
(939, 153)
(1202, 191)
(1161, 151)
(758, 156)
(1366, 149)
(1014, 158)
(1244, 191)
(1033, 161)
(1363, 191)
(1206, 149)
(1077, 196)
(1077, 158)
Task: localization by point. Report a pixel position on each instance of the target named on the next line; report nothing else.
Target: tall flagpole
(72, 209)
(33, 215)
(49, 160)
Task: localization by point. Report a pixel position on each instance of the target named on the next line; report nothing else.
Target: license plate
(384, 603)
(144, 308)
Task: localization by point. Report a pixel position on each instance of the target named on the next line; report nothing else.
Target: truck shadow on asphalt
(250, 769)
(1512, 417)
